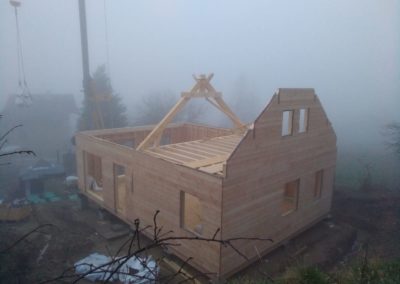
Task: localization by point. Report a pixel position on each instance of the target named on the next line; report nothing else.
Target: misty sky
(349, 51)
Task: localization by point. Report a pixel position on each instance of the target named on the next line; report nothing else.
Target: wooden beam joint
(201, 89)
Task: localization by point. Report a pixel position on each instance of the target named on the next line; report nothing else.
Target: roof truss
(201, 89)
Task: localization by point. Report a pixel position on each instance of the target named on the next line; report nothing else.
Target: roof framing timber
(201, 89)
(208, 155)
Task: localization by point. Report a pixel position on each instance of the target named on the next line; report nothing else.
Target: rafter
(202, 89)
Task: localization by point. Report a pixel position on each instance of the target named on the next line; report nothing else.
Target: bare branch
(29, 152)
(36, 230)
(9, 131)
(113, 267)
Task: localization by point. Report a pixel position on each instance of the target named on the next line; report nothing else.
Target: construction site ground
(358, 218)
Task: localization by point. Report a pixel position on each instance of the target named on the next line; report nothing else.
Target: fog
(347, 50)
(74, 207)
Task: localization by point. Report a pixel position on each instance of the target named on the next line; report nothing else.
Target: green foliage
(305, 275)
(312, 275)
(113, 111)
(244, 280)
(372, 272)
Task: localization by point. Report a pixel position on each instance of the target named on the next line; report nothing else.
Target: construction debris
(98, 267)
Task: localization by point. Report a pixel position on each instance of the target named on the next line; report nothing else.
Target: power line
(107, 42)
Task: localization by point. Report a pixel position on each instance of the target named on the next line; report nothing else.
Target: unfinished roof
(207, 155)
(202, 89)
(203, 148)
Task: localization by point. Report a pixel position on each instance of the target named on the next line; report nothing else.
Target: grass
(371, 272)
(305, 275)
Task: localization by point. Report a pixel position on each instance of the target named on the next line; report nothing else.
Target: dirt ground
(375, 215)
(357, 218)
(69, 234)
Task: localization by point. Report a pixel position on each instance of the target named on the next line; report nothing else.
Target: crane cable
(106, 39)
(24, 97)
(111, 114)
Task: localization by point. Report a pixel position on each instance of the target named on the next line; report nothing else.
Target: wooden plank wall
(260, 167)
(154, 184)
(197, 132)
(176, 132)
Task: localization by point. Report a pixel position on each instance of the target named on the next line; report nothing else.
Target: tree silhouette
(392, 131)
(109, 104)
(3, 142)
(156, 105)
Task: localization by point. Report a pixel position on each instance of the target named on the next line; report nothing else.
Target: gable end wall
(260, 167)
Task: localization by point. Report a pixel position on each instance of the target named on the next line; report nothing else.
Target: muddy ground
(358, 219)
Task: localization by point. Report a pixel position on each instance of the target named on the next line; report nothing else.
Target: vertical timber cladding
(178, 132)
(154, 184)
(159, 185)
(110, 154)
(270, 164)
(262, 165)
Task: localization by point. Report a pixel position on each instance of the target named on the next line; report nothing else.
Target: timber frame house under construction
(270, 179)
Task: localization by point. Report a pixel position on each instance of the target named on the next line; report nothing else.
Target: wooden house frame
(270, 179)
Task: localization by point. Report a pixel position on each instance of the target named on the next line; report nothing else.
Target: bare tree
(392, 132)
(156, 105)
(133, 247)
(3, 142)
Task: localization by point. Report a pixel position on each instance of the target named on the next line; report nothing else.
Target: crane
(93, 97)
